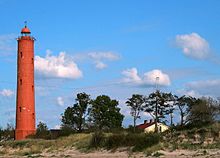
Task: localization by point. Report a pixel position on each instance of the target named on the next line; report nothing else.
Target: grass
(138, 142)
(36, 146)
(132, 142)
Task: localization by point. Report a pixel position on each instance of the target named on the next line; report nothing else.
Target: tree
(104, 113)
(42, 131)
(136, 103)
(75, 116)
(41, 127)
(157, 105)
(203, 111)
(184, 104)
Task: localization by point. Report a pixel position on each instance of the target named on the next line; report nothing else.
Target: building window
(20, 81)
(21, 54)
(32, 60)
(32, 88)
(33, 115)
(20, 109)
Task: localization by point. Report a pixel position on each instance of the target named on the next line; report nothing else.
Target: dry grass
(37, 146)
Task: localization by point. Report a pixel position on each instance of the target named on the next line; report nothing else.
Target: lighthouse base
(22, 134)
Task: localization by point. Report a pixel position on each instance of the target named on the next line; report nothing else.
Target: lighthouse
(25, 101)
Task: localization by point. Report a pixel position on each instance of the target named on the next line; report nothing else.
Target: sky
(110, 47)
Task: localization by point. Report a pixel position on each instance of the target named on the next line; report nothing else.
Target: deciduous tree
(105, 113)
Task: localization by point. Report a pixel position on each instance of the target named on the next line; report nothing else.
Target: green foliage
(7, 133)
(104, 113)
(158, 105)
(75, 116)
(42, 131)
(147, 141)
(203, 112)
(97, 140)
(136, 103)
(139, 142)
(184, 104)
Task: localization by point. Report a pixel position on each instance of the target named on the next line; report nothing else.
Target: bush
(7, 133)
(146, 141)
(97, 140)
(111, 141)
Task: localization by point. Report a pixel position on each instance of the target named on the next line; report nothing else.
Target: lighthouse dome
(25, 30)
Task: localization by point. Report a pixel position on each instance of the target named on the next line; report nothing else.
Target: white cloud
(57, 127)
(100, 65)
(60, 101)
(100, 57)
(6, 92)
(201, 88)
(57, 66)
(103, 55)
(148, 79)
(204, 83)
(193, 45)
(191, 93)
(7, 44)
(131, 75)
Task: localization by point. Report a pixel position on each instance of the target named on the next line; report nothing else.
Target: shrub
(146, 141)
(112, 141)
(97, 140)
(7, 133)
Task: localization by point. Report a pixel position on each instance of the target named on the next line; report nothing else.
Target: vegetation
(138, 142)
(7, 133)
(159, 104)
(136, 103)
(92, 124)
(74, 117)
(204, 111)
(105, 113)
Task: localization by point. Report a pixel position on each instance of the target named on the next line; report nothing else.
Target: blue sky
(110, 47)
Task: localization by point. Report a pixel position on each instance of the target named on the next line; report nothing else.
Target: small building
(150, 126)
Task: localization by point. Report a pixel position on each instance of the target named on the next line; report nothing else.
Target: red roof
(145, 125)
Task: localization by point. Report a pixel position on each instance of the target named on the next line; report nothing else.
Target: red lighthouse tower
(25, 103)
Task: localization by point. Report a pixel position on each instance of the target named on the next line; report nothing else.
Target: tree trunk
(171, 119)
(181, 123)
(156, 117)
(135, 113)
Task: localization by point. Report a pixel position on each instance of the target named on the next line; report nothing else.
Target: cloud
(193, 46)
(191, 93)
(60, 101)
(7, 44)
(131, 75)
(148, 79)
(99, 58)
(100, 65)
(6, 92)
(57, 127)
(205, 87)
(103, 55)
(56, 66)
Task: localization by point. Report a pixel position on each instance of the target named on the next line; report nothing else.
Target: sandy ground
(215, 153)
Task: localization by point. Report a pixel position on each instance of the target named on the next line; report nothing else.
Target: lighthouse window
(20, 81)
(32, 87)
(21, 54)
(20, 109)
(32, 60)
(33, 115)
